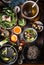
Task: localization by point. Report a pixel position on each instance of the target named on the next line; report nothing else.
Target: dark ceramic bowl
(10, 51)
(31, 53)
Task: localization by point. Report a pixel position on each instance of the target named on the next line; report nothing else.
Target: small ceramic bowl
(30, 37)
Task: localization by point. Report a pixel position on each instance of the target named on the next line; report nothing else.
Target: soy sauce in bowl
(28, 11)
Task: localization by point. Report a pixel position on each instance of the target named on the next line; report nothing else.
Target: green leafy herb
(22, 22)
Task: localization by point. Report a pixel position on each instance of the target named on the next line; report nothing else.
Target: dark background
(41, 6)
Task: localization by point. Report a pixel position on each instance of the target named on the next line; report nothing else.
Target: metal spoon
(35, 3)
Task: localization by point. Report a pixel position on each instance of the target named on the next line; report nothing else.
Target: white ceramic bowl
(25, 3)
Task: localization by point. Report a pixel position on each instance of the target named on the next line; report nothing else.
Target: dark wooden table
(41, 18)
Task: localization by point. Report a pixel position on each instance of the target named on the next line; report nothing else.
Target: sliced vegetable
(5, 58)
(14, 54)
(3, 42)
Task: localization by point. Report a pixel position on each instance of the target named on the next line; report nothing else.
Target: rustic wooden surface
(39, 40)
